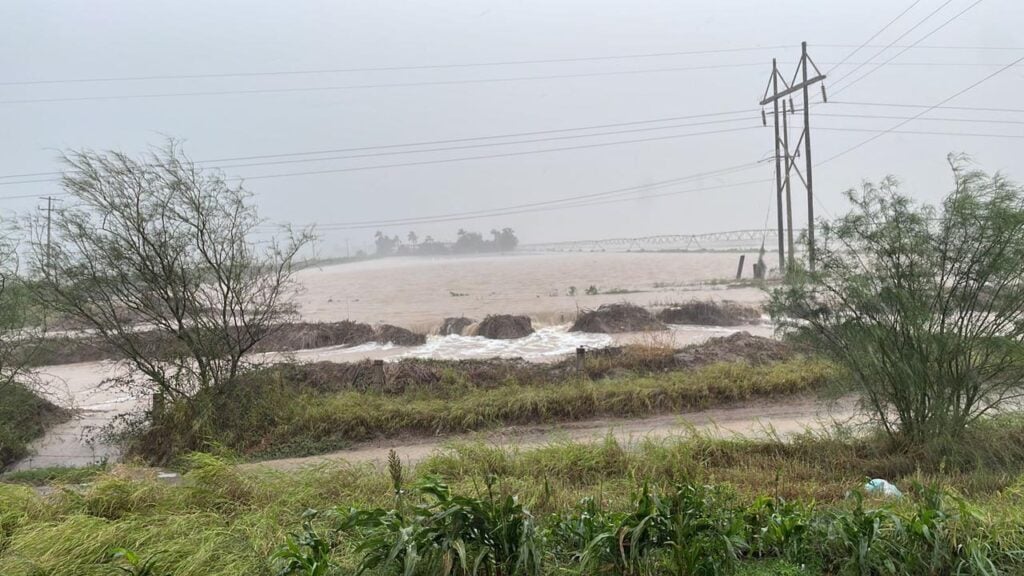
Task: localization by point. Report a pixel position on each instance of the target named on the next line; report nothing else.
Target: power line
(367, 86)
(196, 76)
(459, 159)
(873, 36)
(321, 71)
(889, 45)
(539, 209)
(902, 105)
(430, 142)
(487, 145)
(577, 198)
(309, 89)
(931, 47)
(921, 132)
(889, 117)
(503, 155)
(903, 51)
(926, 110)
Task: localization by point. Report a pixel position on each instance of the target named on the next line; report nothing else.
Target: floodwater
(418, 293)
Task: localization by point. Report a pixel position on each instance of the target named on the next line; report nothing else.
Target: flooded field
(418, 293)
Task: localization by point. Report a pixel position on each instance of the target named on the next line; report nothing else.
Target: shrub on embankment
(229, 521)
(24, 415)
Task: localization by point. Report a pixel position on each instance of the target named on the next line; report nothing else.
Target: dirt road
(760, 419)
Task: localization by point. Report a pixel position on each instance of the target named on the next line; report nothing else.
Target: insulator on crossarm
(824, 96)
(764, 119)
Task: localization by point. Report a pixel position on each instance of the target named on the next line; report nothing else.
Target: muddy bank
(617, 319)
(456, 326)
(291, 337)
(710, 313)
(502, 327)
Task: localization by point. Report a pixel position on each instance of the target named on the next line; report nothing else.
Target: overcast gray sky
(72, 39)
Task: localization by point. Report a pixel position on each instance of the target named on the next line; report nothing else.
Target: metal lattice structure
(751, 239)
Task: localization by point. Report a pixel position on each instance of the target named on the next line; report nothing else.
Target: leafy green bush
(924, 307)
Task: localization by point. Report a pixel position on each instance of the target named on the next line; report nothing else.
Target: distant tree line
(503, 240)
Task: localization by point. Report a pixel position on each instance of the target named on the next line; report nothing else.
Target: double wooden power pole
(776, 94)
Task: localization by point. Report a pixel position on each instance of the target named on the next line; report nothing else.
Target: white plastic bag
(883, 487)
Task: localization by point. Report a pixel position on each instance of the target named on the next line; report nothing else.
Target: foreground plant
(924, 307)
(690, 530)
(307, 552)
(131, 564)
(448, 535)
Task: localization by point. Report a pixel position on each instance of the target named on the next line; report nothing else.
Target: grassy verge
(54, 475)
(224, 520)
(24, 416)
(271, 416)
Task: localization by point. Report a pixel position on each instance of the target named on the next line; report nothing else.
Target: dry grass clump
(710, 313)
(616, 319)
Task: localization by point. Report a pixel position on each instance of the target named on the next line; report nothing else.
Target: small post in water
(581, 354)
(378, 374)
(158, 405)
(739, 269)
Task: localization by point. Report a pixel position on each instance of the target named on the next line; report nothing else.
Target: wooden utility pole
(804, 61)
(778, 168)
(773, 95)
(786, 181)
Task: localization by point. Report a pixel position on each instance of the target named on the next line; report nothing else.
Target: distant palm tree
(412, 238)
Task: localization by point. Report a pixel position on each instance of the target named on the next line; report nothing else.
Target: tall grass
(224, 520)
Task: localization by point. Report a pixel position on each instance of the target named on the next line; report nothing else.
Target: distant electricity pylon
(785, 163)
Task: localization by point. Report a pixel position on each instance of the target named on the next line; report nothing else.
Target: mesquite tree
(17, 337)
(924, 306)
(157, 257)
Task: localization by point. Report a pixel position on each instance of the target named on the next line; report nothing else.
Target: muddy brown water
(418, 293)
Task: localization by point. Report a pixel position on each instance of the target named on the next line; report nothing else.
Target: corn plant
(707, 537)
(779, 528)
(308, 552)
(132, 564)
(449, 535)
(689, 529)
